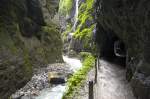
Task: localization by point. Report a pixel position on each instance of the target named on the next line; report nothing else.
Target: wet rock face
(129, 21)
(26, 42)
(49, 9)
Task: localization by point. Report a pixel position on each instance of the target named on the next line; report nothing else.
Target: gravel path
(112, 83)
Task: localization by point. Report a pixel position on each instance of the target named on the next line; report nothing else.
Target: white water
(112, 83)
(76, 15)
(75, 64)
(54, 93)
(58, 91)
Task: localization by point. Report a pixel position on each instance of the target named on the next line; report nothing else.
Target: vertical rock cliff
(79, 26)
(28, 39)
(128, 21)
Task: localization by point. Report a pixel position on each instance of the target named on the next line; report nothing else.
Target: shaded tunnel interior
(111, 47)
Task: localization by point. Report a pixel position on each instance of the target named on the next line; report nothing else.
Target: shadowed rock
(129, 21)
(57, 80)
(25, 42)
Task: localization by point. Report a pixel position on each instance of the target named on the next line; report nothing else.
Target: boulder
(56, 78)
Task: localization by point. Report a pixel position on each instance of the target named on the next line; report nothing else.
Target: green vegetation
(65, 33)
(65, 7)
(75, 82)
(84, 31)
(27, 67)
(84, 55)
(26, 42)
(5, 39)
(51, 51)
(12, 44)
(85, 25)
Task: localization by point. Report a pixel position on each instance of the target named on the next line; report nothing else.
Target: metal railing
(91, 83)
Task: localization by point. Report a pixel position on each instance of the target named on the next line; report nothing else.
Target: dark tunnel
(110, 46)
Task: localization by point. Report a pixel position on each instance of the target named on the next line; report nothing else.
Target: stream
(76, 14)
(58, 91)
(52, 93)
(39, 86)
(74, 63)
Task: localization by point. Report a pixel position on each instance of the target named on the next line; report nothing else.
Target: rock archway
(111, 47)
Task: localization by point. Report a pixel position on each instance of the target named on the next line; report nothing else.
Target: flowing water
(75, 64)
(54, 93)
(112, 83)
(76, 15)
(40, 88)
(58, 91)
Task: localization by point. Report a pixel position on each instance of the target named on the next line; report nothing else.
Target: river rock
(72, 53)
(45, 77)
(56, 78)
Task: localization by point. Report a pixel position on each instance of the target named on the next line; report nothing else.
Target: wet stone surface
(40, 81)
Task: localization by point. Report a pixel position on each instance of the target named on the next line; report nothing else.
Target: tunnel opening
(111, 47)
(112, 69)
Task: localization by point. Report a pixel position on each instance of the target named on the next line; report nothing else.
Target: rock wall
(78, 35)
(129, 21)
(82, 39)
(28, 39)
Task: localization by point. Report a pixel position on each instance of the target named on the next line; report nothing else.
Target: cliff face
(82, 39)
(127, 20)
(28, 39)
(79, 27)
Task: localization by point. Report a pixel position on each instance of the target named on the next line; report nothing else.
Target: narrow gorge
(74, 49)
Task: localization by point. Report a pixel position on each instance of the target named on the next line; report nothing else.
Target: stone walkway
(112, 83)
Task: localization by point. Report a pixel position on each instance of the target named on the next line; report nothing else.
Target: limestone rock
(26, 42)
(56, 78)
(127, 20)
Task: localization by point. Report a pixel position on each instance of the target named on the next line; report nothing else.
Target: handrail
(91, 91)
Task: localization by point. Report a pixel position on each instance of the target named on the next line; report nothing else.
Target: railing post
(96, 70)
(98, 63)
(91, 90)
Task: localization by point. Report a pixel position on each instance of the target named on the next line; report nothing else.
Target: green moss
(52, 43)
(49, 37)
(7, 37)
(83, 55)
(27, 63)
(51, 7)
(65, 33)
(65, 7)
(85, 11)
(86, 36)
(85, 33)
(75, 82)
(51, 28)
(12, 45)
